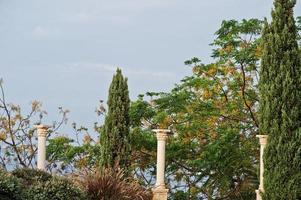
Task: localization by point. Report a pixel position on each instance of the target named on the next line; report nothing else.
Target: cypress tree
(280, 104)
(115, 136)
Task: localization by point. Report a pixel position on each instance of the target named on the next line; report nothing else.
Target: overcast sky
(64, 52)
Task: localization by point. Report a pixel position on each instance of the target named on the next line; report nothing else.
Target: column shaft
(160, 191)
(261, 167)
(42, 133)
(262, 142)
(41, 152)
(160, 163)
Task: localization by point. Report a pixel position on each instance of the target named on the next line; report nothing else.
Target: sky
(65, 52)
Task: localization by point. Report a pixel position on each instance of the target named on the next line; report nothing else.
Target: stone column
(42, 132)
(262, 142)
(160, 191)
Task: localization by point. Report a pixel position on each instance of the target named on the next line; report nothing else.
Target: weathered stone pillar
(160, 191)
(262, 142)
(42, 132)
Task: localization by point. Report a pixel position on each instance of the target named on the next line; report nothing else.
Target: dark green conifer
(115, 136)
(280, 104)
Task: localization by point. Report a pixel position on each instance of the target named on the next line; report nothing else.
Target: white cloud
(43, 32)
(91, 66)
(39, 31)
(117, 12)
(84, 16)
(80, 17)
(96, 17)
(144, 73)
(112, 68)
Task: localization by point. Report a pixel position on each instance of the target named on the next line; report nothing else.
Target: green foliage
(280, 113)
(213, 114)
(115, 137)
(10, 187)
(62, 154)
(111, 184)
(32, 184)
(31, 176)
(180, 195)
(299, 23)
(66, 155)
(60, 148)
(57, 188)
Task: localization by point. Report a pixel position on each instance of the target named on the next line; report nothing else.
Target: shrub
(31, 176)
(40, 185)
(57, 188)
(10, 187)
(180, 195)
(109, 184)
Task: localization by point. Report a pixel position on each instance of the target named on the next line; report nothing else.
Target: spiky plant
(110, 184)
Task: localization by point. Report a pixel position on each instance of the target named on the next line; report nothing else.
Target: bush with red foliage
(110, 184)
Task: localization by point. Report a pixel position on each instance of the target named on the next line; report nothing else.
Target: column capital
(262, 139)
(162, 134)
(42, 130)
